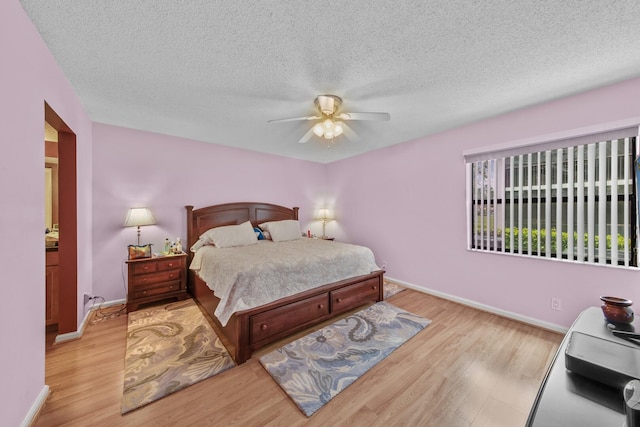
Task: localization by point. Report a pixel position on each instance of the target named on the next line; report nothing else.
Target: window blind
(572, 198)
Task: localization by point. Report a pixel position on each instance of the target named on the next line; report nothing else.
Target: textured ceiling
(217, 71)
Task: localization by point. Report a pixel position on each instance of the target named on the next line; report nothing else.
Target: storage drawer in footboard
(355, 295)
(287, 318)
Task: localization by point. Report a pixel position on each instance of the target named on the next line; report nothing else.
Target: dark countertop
(568, 399)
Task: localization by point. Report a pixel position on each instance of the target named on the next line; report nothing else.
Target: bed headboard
(201, 220)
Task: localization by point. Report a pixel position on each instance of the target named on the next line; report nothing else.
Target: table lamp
(137, 217)
(325, 215)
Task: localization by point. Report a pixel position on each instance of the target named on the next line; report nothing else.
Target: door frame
(68, 222)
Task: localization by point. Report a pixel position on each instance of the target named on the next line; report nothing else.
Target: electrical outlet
(87, 298)
(556, 304)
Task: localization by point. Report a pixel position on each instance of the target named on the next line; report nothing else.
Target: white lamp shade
(137, 217)
(325, 214)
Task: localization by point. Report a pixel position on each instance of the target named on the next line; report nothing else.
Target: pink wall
(29, 76)
(393, 200)
(407, 202)
(165, 173)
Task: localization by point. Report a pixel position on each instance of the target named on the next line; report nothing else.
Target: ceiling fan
(330, 121)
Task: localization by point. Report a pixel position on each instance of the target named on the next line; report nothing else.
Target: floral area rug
(314, 369)
(169, 348)
(390, 289)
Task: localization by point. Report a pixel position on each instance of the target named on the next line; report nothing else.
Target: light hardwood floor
(468, 368)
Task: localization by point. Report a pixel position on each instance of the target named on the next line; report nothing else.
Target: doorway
(67, 307)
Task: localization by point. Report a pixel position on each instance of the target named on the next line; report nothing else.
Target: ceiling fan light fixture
(337, 128)
(328, 104)
(328, 129)
(331, 123)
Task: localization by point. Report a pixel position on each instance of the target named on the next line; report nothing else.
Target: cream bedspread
(249, 276)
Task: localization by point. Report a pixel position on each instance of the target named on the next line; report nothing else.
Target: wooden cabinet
(156, 279)
(52, 286)
(569, 399)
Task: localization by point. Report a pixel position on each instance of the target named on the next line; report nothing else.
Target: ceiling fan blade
(306, 137)
(291, 119)
(349, 133)
(382, 117)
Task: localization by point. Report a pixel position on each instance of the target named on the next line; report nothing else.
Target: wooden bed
(252, 329)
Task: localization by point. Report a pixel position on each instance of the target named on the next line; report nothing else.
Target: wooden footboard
(250, 330)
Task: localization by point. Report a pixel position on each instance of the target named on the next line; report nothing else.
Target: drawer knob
(146, 267)
(144, 292)
(263, 326)
(374, 287)
(171, 275)
(338, 299)
(320, 306)
(170, 264)
(144, 280)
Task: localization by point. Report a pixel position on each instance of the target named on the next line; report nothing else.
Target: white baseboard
(37, 406)
(483, 307)
(77, 334)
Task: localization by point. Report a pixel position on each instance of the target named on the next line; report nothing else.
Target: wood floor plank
(468, 368)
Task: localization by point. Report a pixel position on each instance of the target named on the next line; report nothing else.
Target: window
(572, 199)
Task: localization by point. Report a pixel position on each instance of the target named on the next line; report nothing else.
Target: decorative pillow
(230, 235)
(282, 231)
(259, 234)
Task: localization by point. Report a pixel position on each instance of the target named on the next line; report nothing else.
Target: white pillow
(281, 231)
(197, 245)
(230, 235)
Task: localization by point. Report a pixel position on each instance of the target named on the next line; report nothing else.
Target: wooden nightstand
(156, 279)
(326, 238)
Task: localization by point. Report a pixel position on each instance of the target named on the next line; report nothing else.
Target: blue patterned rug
(314, 369)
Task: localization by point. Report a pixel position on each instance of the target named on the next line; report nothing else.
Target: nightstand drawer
(157, 290)
(162, 276)
(145, 267)
(171, 263)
